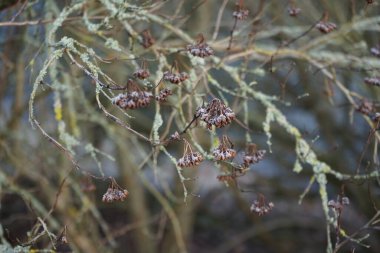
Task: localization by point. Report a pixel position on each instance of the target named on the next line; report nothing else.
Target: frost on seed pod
(375, 81)
(114, 193)
(163, 95)
(141, 74)
(216, 113)
(134, 98)
(325, 27)
(189, 157)
(240, 12)
(365, 107)
(260, 207)
(175, 137)
(253, 155)
(201, 49)
(225, 150)
(175, 78)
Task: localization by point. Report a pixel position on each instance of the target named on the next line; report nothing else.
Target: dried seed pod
(253, 155)
(134, 98)
(163, 95)
(339, 203)
(216, 113)
(189, 157)
(293, 11)
(365, 107)
(175, 136)
(260, 207)
(200, 49)
(375, 81)
(225, 150)
(240, 12)
(147, 39)
(114, 193)
(175, 78)
(141, 74)
(326, 27)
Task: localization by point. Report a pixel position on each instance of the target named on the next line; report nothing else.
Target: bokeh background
(316, 81)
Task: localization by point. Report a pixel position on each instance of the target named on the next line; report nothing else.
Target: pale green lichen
(113, 44)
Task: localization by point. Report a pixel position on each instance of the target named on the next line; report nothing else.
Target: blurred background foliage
(51, 188)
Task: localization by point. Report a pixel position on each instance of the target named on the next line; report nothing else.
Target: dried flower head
(240, 12)
(375, 81)
(293, 11)
(200, 49)
(253, 155)
(260, 207)
(175, 136)
(365, 107)
(147, 39)
(216, 113)
(134, 98)
(375, 50)
(225, 150)
(114, 193)
(175, 78)
(189, 157)
(141, 74)
(163, 95)
(326, 27)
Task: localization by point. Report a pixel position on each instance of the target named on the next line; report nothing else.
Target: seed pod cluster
(326, 27)
(175, 137)
(365, 107)
(134, 98)
(339, 203)
(113, 194)
(222, 153)
(200, 49)
(163, 95)
(175, 78)
(375, 81)
(261, 208)
(216, 113)
(294, 11)
(253, 155)
(225, 150)
(141, 74)
(241, 14)
(190, 159)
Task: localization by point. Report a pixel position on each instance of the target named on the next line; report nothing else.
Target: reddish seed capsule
(326, 27)
(141, 74)
(163, 95)
(375, 81)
